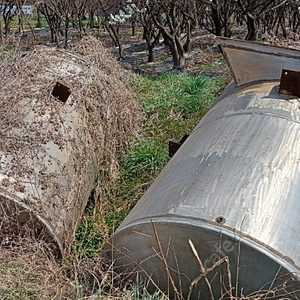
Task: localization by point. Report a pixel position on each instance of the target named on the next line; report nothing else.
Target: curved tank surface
(52, 148)
(222, 217)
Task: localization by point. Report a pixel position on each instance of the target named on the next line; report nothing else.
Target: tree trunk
(81, 26)
(120, 50)
(150, 47)
(133, 25)
(114, 34)
(110, 30)
(252, 31)
(57, 29)
(39, 23)
(7, 20)
(144, 33)
(177, 51)
(227, 31)
(150, 54)
(66, 33)
(53, 34)
(217, 20)
(91, 20)
(1, 30)
(187, 45)
(284, 31)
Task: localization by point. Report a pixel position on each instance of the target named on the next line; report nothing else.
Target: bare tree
(253, 11)
(8, 12)
(294, 15)
(61, 15)
(78, 11)
(53, 19)
(217, 16)
(282, 18)
(113, 16)
(150, 31)
(173, 19)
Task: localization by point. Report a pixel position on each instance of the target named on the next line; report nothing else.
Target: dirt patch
(204, 51)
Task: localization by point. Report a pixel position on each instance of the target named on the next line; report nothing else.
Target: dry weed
(91, 48)
(292, 41)
(29, 271)
(7, 53)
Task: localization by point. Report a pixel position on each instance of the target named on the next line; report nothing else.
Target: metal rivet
(220, 220)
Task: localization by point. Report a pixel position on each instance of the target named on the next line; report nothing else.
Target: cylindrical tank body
(232, 190)
(51, 150)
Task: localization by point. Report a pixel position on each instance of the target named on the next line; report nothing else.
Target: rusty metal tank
(222, 218)
(59, 112)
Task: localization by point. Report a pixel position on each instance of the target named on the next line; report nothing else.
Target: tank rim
(213, 226)
(49, 231)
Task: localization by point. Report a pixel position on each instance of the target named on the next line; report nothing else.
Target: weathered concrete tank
(222, 218)
(60, 117)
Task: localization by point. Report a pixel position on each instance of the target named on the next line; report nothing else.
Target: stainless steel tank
(52, 148)
(222, 217)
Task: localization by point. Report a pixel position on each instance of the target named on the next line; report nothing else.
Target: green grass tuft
(148, 156)
(141, 293)
(180, 94)
(88, 236)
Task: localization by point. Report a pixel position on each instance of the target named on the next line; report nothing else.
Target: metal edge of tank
(228, 231)
(257, 46)
(48, 234)
(275, 59)
(117, 252)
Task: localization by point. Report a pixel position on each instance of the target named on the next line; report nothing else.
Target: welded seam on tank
(233, 88)
(247, 113)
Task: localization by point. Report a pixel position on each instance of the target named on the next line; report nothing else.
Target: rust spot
(290, 83)
(61, 90)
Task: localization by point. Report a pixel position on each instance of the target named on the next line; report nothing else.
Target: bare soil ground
(204, 57)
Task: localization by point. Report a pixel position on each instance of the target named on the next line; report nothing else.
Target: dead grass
(292, 41)
(29, 271)
(92, 49)
(7, 53)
